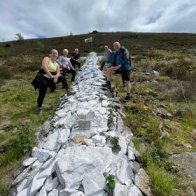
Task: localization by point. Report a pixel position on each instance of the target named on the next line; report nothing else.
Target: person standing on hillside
(106, 54)
(48, 76)
(66, 65)
(121, 65)
(75, 58)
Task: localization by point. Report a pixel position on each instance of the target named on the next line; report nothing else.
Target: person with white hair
(66, 65)
(106, 54)
(48, 76)
(121, 65)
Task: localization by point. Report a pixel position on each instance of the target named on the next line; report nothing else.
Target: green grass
(174, 96)
(19, 122)
(160, 182)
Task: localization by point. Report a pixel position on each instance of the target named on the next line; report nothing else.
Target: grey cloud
(57, 18)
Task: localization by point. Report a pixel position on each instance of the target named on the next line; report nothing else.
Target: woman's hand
(55, 78)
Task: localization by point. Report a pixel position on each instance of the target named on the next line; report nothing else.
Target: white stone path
(75, 157)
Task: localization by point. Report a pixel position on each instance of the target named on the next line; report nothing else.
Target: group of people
(118, 62)
(53, 71)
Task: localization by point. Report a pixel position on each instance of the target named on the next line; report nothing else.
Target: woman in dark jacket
(48, 76)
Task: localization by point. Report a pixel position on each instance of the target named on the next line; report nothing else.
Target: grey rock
(84, 124)
(135, 166)
(142, 182)
(187, 161)
(156, 73)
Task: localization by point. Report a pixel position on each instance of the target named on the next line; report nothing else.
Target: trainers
(39, 110)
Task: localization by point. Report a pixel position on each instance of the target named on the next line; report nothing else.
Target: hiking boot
(128, 97)
(39, 110)
(107, 85)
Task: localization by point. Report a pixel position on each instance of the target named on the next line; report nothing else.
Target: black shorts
(124, 74)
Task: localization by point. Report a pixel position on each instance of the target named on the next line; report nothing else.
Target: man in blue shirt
(121, 65)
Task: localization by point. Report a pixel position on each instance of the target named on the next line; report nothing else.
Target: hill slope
(161, 113)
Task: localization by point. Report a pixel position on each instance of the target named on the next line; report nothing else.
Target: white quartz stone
(131, 155)
(99, 140)
(134, 191)
(123, 144)
(41, 154)
(93, 182)
(63, 136)
(81, 159)
(48, 184)
(48, 168)
(124, 172)
(42, 192)
(120, 190)
(51, 142)
(29, 161)
(79, 193)
(54, 192)
(36, 185)
(23, 193)
(21, 176)
(105, 103)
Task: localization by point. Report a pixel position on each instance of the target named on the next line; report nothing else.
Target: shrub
(115, 144)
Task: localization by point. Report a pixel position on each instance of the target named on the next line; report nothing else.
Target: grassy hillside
(161, 113)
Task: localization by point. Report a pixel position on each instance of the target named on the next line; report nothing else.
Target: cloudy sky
(52, 18)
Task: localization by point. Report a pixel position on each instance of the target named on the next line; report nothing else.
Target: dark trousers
(75, 63)
(102, 65)
(73, 72)
(44, 83)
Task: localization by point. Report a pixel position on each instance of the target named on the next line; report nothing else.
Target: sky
(50, 18)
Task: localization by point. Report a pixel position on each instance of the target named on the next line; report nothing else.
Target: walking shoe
(128, 97)
(107, 85)
(39, 110)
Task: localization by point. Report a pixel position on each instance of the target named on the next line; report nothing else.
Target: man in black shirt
(75, 58)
